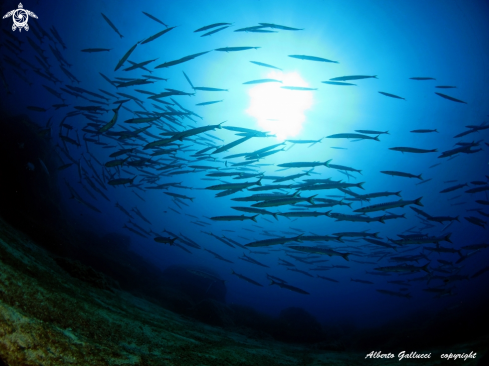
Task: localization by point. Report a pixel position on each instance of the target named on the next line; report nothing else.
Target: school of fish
(166, 139)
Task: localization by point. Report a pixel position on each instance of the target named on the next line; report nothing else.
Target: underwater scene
(254, 182)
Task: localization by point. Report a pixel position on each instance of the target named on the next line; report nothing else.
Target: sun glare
(280, 111)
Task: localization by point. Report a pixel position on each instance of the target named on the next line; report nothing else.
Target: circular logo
(20, 18)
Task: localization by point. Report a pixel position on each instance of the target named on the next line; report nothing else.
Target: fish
(476, 221)
(353, 77)
(111, 25)
(412, 150)
(482, 271)
(289, 287)
(57, 36)
(208, 103)
(211, 26)
(140, 65)
(215, 31)
(371, 132)
(125, 57)
(255, 210)
(121, 181)
(361, 281)
(424, 131)
(36, 109)
(422, 78)
(299, 88)
(312, 58)
(80, 200)
(478, 189)
(154, 18)
(405, 268)
(352, 136)
(164, 240)
(401, 174)
(265, 65)
(261, 81)
(276, 241)
(422, 239)
(247, 279)
(391, 95)
(209, 89)
(337, 83)
(319, 250)
(450, 98)
(389, 205)
(284, 201)
(453, 188)
(112, 122)
(181, 60)
(282, 27)
(235, 49)
(234, 218)
(157, 35)
(299, 271)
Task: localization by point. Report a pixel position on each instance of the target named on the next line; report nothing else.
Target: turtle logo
(20, 17)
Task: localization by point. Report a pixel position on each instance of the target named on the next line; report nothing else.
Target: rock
(298, 326)
(213, 312)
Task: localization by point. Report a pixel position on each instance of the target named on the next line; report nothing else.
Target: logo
(20, 17)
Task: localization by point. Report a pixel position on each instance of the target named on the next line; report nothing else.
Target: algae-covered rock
(199, 283)
(87, 274)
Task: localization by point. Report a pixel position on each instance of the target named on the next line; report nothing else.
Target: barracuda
(389, 205)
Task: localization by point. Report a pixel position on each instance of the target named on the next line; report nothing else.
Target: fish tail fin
(420, 177)
(232, 271)
(272, 282)
(436, 130)
(345, 256)
(398, 194)
(326, 163)
(434, 150)
(381, 219)
(254, 218)
(376, 138)
(425, 268)
(349, 204)
(311, 199)
(417, 201)
(275, 216)
(360, 185)
(259, 181)
(447, 237)
(375, 77)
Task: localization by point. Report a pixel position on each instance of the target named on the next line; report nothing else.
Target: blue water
(396, 41)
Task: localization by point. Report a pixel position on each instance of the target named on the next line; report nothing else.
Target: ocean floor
(50, 317)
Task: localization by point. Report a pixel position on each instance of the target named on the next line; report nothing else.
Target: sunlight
(280, 111)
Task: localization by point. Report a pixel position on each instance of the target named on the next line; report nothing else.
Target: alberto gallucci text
(401, 355)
